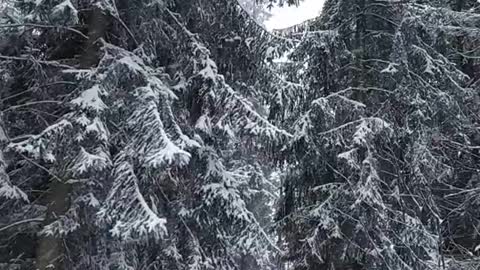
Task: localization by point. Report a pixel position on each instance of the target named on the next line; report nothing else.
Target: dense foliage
(178, 134)
(384, 166)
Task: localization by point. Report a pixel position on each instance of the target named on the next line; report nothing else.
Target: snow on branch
(258, 125)
(150, 142)
(7, 189)
(254, 122)
(91, 99)
(126, 209)
(38, 146)
(86, 161)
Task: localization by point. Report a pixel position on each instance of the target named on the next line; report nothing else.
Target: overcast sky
(288, 16)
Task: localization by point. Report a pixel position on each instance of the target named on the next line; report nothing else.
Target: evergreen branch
(43, 62)
(41, 167)
(32, 103)
(44, 26)
(347, 125)
(258, 116)
(340, 92)
(18, 223)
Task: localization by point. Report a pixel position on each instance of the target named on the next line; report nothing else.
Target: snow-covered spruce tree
(30, 95)
(384, 160)
(145, 152)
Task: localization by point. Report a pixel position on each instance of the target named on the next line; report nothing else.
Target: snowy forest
(183, 135)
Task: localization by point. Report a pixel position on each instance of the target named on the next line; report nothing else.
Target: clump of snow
(169, 154)
(90, 99)
(65, 7)
(204, 124)
(361, 134)
(98, 127)
(430, 66)
(60, 227)
(12, 192)
(7, 189)
(367, 128)
(391, 68)
(86, 161)
(37, 146)
(133, 63)
(126, 209)
(350, 157)
(209, 72)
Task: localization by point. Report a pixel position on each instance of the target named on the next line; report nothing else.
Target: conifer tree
(372, 176)
(155, 134)
(143, 155)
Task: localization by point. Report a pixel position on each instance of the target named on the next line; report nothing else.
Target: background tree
(368, 173)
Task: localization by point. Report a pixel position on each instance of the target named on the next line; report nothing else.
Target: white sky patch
(287, 16)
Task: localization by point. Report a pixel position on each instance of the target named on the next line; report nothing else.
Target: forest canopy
(181, 134)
